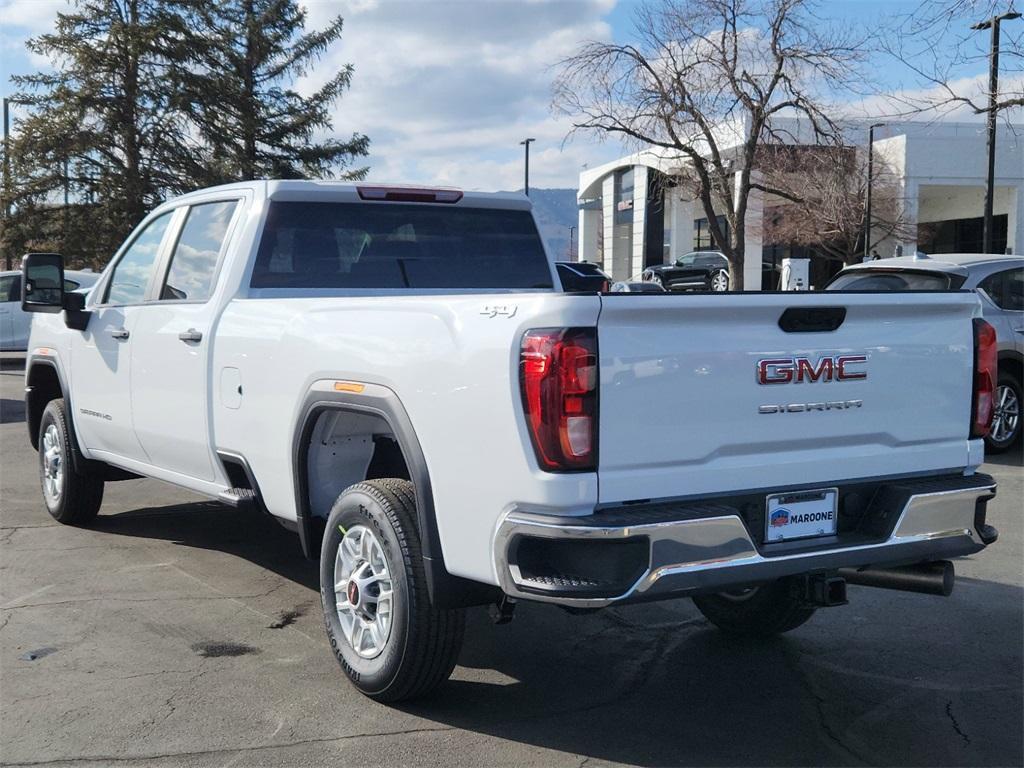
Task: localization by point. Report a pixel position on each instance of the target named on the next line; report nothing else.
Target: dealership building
(631, 214)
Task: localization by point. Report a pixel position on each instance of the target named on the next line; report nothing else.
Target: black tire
(769, 609)
(999, 446)
(424, 642)
(73, 498)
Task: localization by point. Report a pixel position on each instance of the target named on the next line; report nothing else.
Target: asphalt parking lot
(175, 631)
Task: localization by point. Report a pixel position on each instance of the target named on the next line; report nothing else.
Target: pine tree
(104, 126)
(238, 92)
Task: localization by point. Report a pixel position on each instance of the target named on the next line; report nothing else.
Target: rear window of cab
(399, 246)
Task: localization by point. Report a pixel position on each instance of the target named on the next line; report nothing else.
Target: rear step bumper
(652, 551)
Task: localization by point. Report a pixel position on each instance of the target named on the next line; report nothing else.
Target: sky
(447, 89)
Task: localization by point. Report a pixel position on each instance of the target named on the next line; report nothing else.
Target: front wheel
(769, 609)
(71, 497)
(392, 643)
(1006, 416)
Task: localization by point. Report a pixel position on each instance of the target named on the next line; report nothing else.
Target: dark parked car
(697, 271)
(999, 280)
(582, 276)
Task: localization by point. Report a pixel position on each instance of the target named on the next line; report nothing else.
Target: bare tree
(827, 214)
(706, 81)
(937, 44)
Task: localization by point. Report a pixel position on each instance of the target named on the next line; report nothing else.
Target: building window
(702, 239)
(961, 235)
(624, 197)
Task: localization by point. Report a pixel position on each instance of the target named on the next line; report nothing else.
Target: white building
(629, 218)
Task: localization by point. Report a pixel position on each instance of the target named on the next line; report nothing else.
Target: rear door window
(396, 246)
(194, 260)
(1006, 289)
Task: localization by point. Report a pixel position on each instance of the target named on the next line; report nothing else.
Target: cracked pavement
(188, 634)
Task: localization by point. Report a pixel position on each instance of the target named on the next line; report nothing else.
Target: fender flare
(445, 590)
(79, 462)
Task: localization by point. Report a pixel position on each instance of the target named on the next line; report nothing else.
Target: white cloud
(446, 90)
(30, 17)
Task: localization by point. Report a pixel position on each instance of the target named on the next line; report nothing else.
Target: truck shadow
(1012, 458)
(214, 526)
(891, 679)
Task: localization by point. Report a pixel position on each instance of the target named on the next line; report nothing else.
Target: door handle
(120, 333)
(191, 335)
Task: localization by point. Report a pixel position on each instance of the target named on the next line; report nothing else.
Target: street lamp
(867, 194)
(526, 168)
(572, 239)
(993, 99)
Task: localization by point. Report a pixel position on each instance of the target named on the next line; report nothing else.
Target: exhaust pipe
(935, 578)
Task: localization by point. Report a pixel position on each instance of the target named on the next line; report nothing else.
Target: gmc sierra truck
(396, 375)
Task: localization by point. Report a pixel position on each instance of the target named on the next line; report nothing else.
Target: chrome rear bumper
(699, 548)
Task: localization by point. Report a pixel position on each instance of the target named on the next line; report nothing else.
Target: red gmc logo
(797, 370)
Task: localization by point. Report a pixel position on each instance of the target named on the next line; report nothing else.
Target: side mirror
(42, 282)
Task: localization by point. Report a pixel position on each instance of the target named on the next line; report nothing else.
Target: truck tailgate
(683, 411)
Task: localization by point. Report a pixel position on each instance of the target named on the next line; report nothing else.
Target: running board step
(240, 498)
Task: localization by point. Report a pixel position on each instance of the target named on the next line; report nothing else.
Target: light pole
(572, 239)
(867, 193)
(526, 168)
(993, 99)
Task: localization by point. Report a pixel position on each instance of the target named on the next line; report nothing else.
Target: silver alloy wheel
(52, 456)
(363, 591)
(1006, 416)
(720, 281)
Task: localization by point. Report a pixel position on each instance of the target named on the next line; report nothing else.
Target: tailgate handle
(812, 319)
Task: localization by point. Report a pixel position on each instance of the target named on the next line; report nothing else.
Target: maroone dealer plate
(801, 515)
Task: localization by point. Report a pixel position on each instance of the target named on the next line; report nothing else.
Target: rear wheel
(720, 281)
(769, 609)
(71, 497)
(1006, 417)
(392, 643)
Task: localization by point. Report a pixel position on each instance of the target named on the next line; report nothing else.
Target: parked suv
(697, 271)
(14, 324)
(582, 277)
(999, 280)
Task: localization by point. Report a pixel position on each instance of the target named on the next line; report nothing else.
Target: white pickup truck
(396, 374)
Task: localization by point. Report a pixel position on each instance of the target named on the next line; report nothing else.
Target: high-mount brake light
(558, 380)
(409, 194)
(985, 363)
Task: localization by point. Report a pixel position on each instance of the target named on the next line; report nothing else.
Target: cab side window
(1006, 289)
(131, 275)
(194, 260)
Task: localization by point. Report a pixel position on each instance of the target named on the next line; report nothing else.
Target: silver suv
(999, 280)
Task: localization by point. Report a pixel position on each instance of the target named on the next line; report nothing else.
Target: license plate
(801, 515)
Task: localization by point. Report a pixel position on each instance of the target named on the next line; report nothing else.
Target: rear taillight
(558, 379)
(984, 378)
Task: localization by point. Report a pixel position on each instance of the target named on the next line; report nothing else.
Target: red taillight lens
(985, 362)
(558, 378)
